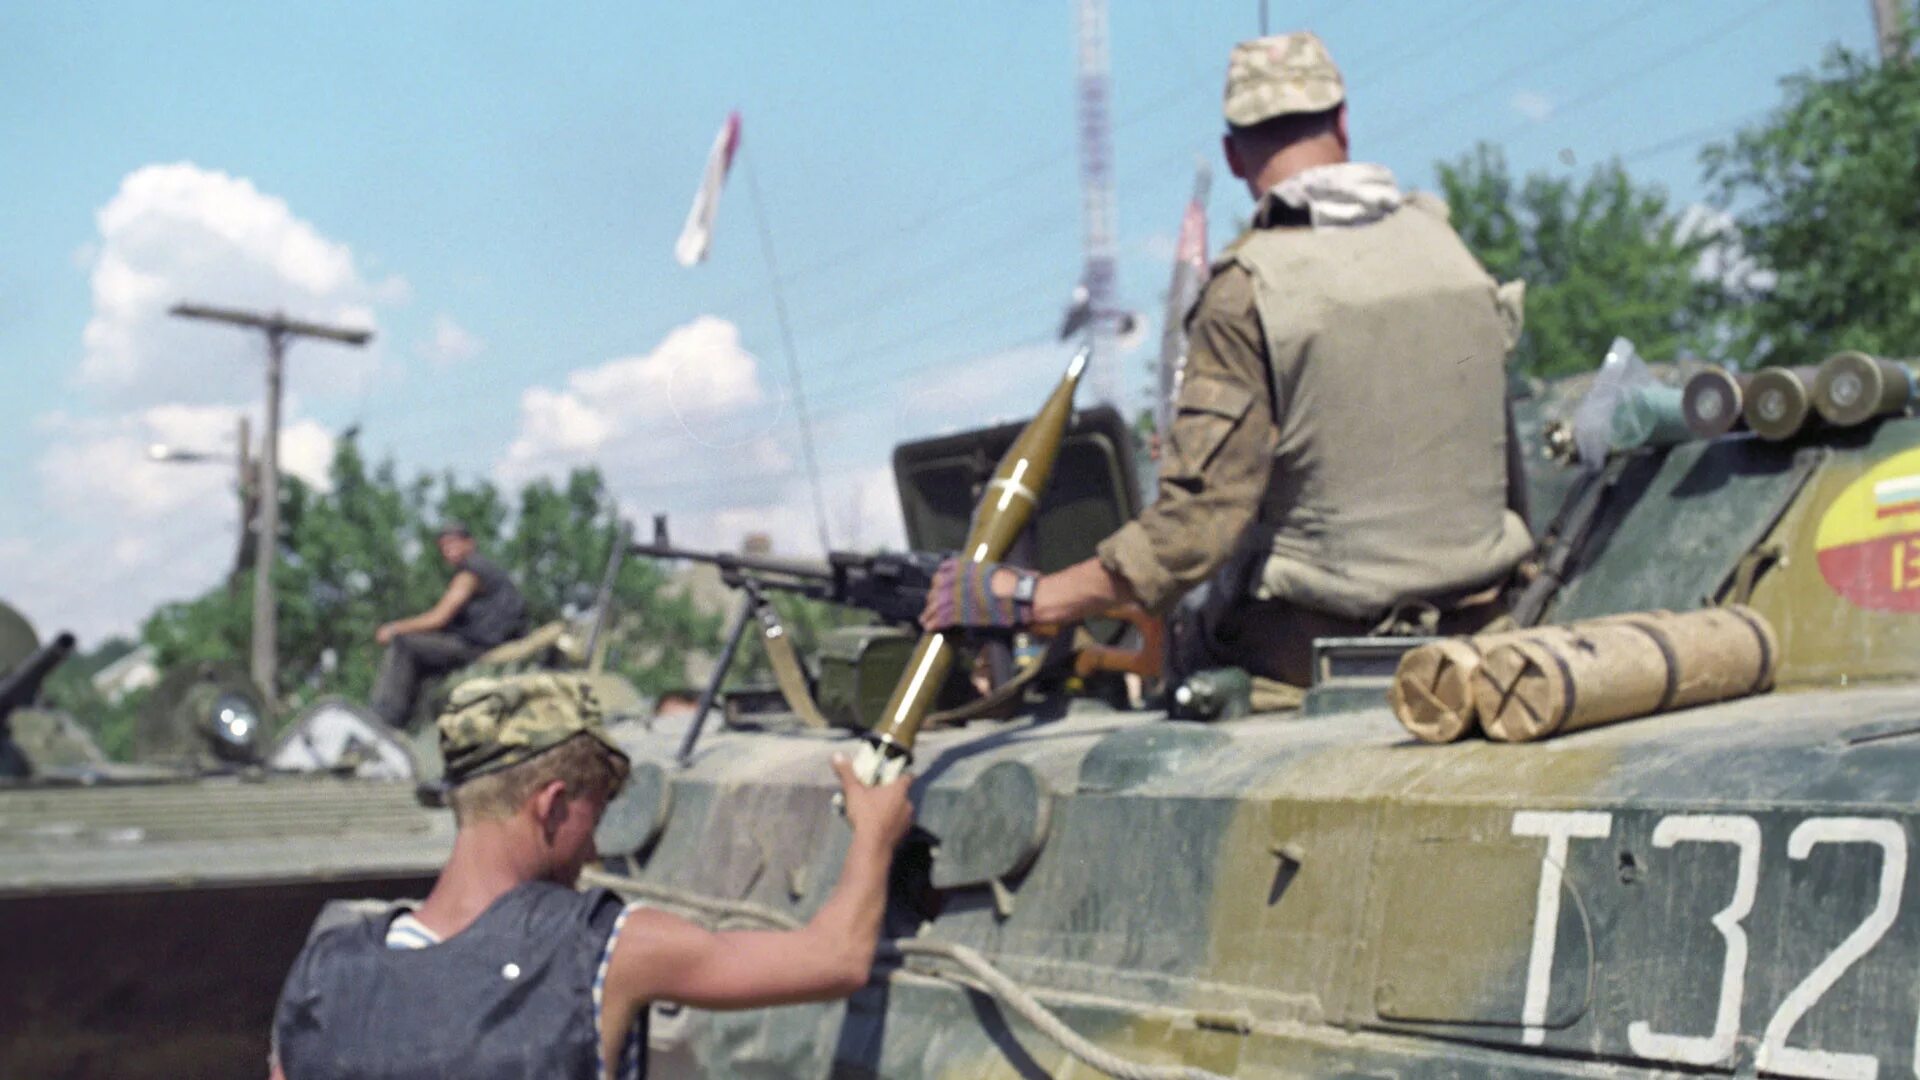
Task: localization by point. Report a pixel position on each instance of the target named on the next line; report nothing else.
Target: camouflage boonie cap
(1278, 75)
(495, 723)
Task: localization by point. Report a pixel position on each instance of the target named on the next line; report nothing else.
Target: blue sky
(497, 192)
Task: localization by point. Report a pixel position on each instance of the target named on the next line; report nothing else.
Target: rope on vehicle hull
(992, 979)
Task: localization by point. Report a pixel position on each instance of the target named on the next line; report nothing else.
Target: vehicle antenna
(793, 359)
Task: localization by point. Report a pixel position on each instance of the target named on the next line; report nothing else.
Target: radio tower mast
(1096, 200)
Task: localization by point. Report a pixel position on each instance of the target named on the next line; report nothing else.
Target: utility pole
(278, 329)
(243, 490)
(1889, 26)
(249, 506)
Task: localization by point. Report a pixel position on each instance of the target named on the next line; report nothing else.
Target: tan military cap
(493, 723)
(1278, 75)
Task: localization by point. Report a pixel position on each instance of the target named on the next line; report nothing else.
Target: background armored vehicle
(1725, 889)
(151, 910)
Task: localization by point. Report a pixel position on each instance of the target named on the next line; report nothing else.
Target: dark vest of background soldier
(481, 608)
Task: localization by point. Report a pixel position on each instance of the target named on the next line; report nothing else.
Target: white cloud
(134, 532)
(691, 419)
(1532, 104)
(111, 532)
(179, 232)
(450, 343)
(694, 429)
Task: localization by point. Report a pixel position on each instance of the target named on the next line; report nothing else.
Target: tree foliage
(363, 553)
(1601, 257)
(70, 688)
(1826, 195)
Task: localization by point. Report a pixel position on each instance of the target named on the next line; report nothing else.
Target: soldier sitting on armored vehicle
(506, 970)
(480, 609)
(1340, 450)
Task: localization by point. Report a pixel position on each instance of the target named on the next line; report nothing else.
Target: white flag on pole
(697, 236)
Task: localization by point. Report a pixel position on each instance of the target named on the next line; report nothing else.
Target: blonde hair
(583, 763)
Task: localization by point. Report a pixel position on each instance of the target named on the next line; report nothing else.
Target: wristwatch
(1024, 582)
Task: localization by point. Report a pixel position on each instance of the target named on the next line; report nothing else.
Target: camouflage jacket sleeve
(1216, 459)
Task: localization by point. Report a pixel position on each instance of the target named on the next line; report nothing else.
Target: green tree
(1601, 257)
(1826, 193)
(362, 553)
(70, 688)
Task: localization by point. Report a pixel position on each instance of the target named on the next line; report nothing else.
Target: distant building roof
(134, 671)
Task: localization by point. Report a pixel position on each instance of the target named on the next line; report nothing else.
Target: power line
(993, 306)
(840, 396)
(1686, 138)
(946, 209)
(1617, 81)
(952, 322)
(947, 360)
(1565, 46)
(1042, 226)
(924, 280)
(933, 275)
(1421, 41)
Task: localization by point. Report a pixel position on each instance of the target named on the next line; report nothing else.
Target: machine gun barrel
(732, 567)
(893, 586)
(21, 685)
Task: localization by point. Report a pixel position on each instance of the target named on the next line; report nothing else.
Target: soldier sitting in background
(480, 609)
(1339, 450)
(506, 970)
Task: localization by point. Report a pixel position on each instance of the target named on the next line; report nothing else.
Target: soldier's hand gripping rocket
(979, 595)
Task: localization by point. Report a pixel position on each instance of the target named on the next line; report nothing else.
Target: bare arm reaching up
(661, 957)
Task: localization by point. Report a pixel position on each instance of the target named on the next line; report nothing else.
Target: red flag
(1192, 248)
(697, 236)
(1189, 273)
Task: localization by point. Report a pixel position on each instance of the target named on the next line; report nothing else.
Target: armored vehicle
(1097, 889)
(150, 910)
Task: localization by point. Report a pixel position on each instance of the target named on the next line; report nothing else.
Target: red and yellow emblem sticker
(1869, 540)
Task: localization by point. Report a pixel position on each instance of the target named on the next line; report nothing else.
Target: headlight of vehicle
(234, 724)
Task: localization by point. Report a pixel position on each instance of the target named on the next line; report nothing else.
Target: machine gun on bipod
(956, 503)
(892, 587)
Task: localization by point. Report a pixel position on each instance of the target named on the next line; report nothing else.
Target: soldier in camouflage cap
(1280, 76)
(493, 724)
(1339, 448)
(507, 969)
